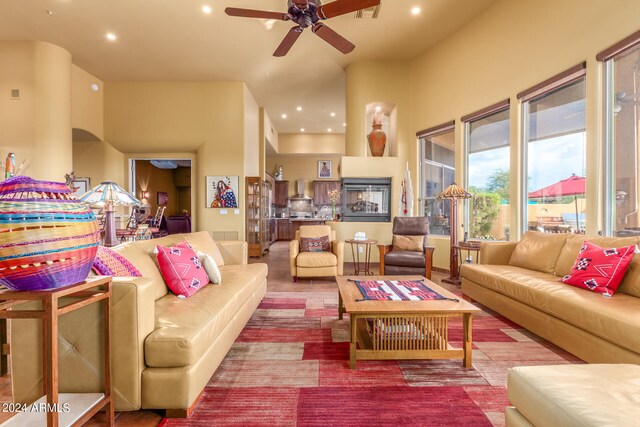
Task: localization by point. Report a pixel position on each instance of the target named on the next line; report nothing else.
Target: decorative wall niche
(389, 126)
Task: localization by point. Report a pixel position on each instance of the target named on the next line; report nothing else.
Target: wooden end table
(355, 252)
(383, 330)
(72, 408)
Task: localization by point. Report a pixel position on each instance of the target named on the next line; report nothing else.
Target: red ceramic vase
(377, 141)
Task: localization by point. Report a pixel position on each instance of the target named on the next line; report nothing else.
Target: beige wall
(204, 120)
(251, 135)
(99, 161)
(311, 143)
(37, 126)
(303, 167)
(87, 112)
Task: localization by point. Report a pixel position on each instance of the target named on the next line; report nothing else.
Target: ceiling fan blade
(250, 13)
(342, 7)
(333, 38)
(288, 41)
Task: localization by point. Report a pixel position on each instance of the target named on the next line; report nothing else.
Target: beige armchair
(316, 264)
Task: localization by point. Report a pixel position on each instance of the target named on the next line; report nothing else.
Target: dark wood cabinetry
(321, 192)
(281, 194)
(284, 229)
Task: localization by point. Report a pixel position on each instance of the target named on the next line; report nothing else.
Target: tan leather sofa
(574, 395)
(164, 348)
(520, 280)
(316, 264)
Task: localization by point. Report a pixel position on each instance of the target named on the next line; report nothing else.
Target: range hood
(300, 191)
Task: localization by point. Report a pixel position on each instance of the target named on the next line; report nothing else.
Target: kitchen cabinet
(284, 229)
(273, 229)
(321, 192)
(281, 194)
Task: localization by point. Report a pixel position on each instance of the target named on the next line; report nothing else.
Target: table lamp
(453, 193)
(107, 195)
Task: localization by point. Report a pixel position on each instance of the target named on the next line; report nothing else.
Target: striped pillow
(110, 263)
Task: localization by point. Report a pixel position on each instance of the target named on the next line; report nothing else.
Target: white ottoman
(574, 395)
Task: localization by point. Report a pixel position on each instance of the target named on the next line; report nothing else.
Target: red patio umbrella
(572, 186)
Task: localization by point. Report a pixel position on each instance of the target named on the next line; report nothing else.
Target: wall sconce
(145, 195)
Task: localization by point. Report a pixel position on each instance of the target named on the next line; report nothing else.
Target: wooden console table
(69, 409)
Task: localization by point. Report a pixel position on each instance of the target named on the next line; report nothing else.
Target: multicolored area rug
(290, 367)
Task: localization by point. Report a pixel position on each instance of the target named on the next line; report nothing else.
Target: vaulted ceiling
(174, 40)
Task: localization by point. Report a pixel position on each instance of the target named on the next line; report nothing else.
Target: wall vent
(369, 13)
(15, 93)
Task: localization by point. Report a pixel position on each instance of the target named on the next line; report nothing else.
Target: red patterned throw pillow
(315, 244)
(599, 269)
(110, 263)
(181, 269)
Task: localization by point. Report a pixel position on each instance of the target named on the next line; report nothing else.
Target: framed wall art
(324, 168)
(222, 191)
(81, 186)
(163, 198)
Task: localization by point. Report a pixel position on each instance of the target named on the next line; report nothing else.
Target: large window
(437, 173)
(488, 160)
(622, 77)
(555, 174)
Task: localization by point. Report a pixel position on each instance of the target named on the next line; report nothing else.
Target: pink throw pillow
(599, 269)
(181, 269)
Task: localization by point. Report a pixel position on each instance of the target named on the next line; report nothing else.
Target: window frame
(449, 126)
(608, 58)
(534, 93)
(498, 107)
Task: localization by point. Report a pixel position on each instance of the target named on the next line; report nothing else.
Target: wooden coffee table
(394, 330)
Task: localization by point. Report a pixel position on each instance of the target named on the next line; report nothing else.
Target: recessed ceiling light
(416, 10)
(329, 130)
(344, 124)
(111, 37)
(207, 9)
(284, 116)
(95, 87)
(299, 108)
(49, 12)
(301, 129)
(333, 114)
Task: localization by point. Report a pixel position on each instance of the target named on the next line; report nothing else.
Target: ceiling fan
(308, 13)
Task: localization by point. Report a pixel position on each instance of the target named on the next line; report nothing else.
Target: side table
(355, 252)
(64, 409)
(472, 251)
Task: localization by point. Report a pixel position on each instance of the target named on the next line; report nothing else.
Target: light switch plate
(223, 211)
(236, 211)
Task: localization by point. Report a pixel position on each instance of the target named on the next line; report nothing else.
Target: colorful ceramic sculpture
(48, 238)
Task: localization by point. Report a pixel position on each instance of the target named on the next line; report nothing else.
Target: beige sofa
(520, 281)
(164, 349)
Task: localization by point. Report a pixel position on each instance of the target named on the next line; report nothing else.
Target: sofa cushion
(538, 251)
(316, 259)
(600, 269)
(631, 282)
(186, 328)
(408, 243)
(315, 244)
(110, 263)
(574, 242)
(614, 319)
(576, 395)
(181, 269)
(404, 259)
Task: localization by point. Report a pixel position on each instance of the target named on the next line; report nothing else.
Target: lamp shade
(109, 193)
(454, 191)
